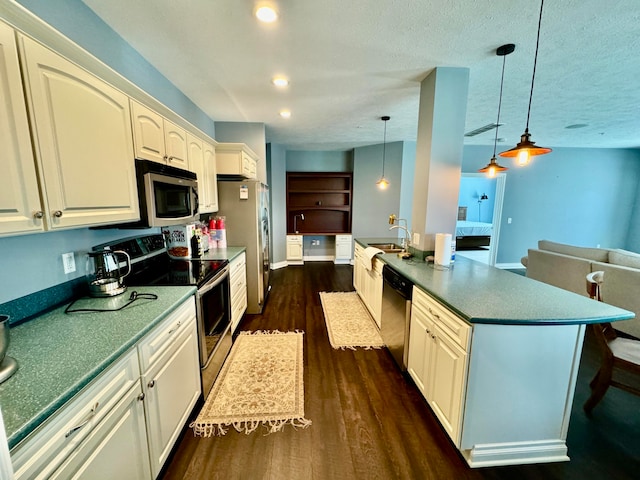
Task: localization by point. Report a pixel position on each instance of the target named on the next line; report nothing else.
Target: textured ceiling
(350, 62)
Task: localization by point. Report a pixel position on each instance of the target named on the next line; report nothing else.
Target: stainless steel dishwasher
(396, 314)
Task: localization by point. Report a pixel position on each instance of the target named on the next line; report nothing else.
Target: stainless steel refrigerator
(245, 204)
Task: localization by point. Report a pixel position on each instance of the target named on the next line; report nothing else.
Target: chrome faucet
(406, 241)
(295, 221)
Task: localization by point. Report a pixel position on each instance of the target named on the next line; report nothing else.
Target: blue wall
(319, 161)
(471, 190)
(372, 206)
(276, 178)
(584, 197)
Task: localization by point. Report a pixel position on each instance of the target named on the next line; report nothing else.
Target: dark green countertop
(228, 253)
(483, 294)
(59, 354)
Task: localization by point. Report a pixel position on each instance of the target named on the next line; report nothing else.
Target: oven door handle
(217, 280)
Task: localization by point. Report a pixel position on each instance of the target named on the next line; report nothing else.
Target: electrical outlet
(416, 239)
(68, 262)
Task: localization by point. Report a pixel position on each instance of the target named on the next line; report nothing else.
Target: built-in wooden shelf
(324, 198)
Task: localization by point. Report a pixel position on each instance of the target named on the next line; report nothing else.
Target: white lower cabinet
(437, 362)
(368, 283)
(172, 387)
(117, 448)
(125, 422)
(343, 248)
(238, 288)
(295, 250)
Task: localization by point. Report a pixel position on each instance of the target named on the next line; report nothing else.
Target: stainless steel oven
(151, 265)
(213, 310)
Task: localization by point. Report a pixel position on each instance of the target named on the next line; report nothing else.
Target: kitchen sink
(387, 247)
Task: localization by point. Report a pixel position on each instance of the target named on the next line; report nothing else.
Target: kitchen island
(496, 356)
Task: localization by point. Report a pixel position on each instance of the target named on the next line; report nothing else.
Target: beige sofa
(566, 266)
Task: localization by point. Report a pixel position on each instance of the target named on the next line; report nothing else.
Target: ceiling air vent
(486, 128)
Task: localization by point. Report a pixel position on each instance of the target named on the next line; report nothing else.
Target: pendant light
(493, 166)
(383, 183)
(526, 148)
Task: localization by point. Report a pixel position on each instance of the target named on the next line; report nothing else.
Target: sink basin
(387, 247)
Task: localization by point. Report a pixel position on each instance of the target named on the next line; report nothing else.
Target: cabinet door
(175, 141)
(116, 448)
(20, 204)
(211, 175)
(376, 295)
(419, 348)
(446, 385)
(84, 142)
(196, 163)
(343, 247)
(148, 132)
(358, 269)
(172, 387)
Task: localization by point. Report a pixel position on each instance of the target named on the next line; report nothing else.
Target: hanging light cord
(535, 62)
(384, 147)
(495, 141)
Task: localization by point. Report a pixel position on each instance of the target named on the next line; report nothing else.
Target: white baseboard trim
(516, 453)
(276, 266)
(318, 258)
(342, 261)
(509, 265)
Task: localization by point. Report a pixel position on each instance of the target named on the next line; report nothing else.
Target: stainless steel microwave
(168, 195)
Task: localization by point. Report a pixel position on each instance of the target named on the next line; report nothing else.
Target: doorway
(480, 212)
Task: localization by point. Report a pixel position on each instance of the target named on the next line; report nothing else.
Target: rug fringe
(247, 426)
(268, 332)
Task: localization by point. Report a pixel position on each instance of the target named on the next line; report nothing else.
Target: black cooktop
(151, 265)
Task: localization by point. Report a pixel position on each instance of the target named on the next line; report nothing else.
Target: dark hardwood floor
(370, 422)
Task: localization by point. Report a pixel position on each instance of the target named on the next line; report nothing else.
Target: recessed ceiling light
(280, 81)
(285, 113)
(576, 125)
(266, 13)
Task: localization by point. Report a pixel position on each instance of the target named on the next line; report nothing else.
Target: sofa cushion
(595, 254)
(563, 271)
(624, 258)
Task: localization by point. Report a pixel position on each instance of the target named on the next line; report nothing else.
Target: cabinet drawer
(158, 340)
(343, 238)
(452, 325)
(237, 265)
(40, 454)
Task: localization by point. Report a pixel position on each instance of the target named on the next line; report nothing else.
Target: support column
(441, 120)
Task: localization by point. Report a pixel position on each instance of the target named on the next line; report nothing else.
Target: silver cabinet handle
(87, 420)
(171, 159)
(57, 213)
(39, 214)
(174, 329)
(165, 158)
(151, 384)
(141, 397)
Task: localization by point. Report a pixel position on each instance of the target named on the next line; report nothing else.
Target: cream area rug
(349, 324)
(260, 383)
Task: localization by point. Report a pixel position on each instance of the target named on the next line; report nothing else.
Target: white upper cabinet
(210, 173)
(237, 160)
(21, 210)
(202, 163)
(157, 139)
(83, 142)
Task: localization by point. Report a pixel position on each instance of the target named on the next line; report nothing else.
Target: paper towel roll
(443, 249)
